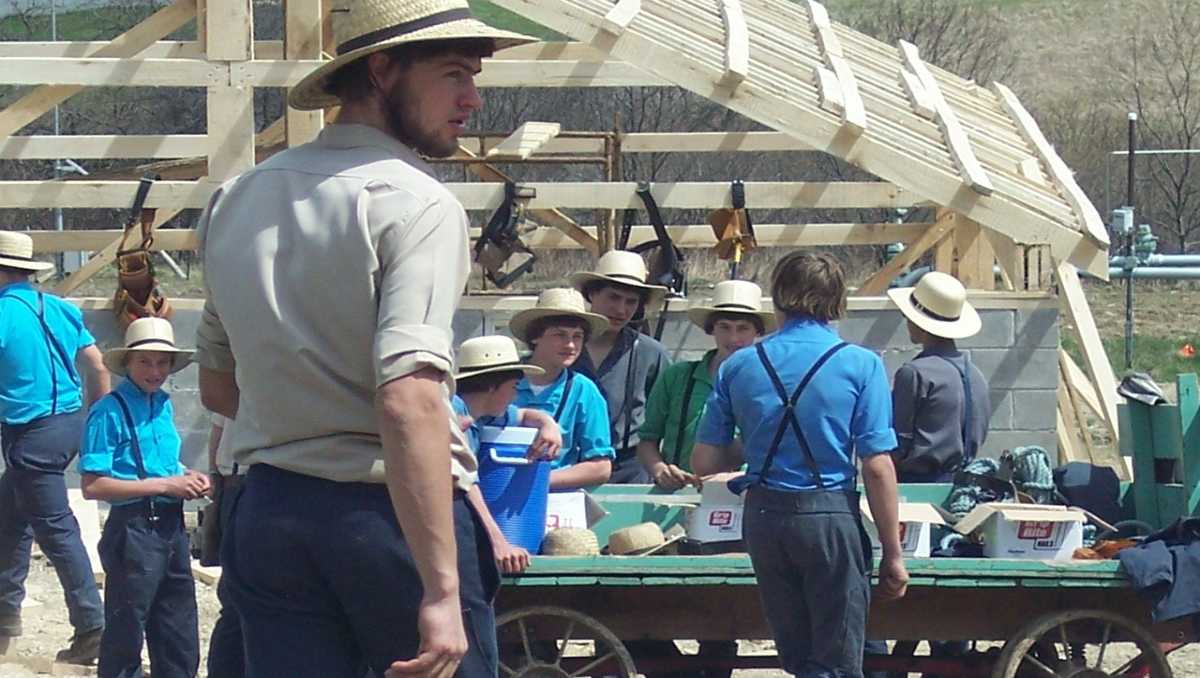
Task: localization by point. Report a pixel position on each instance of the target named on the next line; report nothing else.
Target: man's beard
(406, 125)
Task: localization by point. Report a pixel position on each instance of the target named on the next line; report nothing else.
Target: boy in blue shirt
(488, 371)
(130, 458)
(557, 329)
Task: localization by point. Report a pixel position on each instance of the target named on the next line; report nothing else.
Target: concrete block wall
(1017, 352)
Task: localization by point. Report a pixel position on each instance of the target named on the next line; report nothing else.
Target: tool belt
(137, 294)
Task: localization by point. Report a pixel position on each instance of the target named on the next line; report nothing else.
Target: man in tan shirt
(333, 273)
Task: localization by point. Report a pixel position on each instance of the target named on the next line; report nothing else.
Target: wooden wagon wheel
(1082, 644)
(534, 644)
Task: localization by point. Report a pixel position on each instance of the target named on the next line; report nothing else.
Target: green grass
(1155, 355)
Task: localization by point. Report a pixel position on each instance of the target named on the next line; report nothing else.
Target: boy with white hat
(623, 362)
(488, 371)
(130, 459)
(734, 318)
(940, 399)
(557, 328)
(44, 350)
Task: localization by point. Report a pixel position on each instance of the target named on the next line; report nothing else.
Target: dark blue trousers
(33, 505)
(326, 584)
(226, 648)
(149, 594)
(812, 561)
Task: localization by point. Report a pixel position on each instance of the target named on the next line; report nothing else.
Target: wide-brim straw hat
(740, 297)
(147, 334)
(486, 355)
(363, 27)
(938, 304)
(622, 268)
(642, 539)
(16, 251)
(559, 301)
(570, 541)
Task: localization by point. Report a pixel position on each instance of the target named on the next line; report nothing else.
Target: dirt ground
(47, 631)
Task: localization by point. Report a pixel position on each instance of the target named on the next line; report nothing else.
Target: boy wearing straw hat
(623, 362)
(940, 399)
(734, 319)
(333, 273)
(46, 356)
(557, 328)
(488, 371)
(130, 459)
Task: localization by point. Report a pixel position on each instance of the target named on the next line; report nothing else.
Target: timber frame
(1003, 197)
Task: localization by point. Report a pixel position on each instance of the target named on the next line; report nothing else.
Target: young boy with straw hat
(333, 273)
(488, 371)
(557, 328)
(130, 459)
(623, 362)
(734, 318)
(940, 400)
(44, 350)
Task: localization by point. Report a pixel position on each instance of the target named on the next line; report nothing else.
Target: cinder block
(876, 330)
(1037, 327)
(1002, 410)
(1018, 369)
(996, 332)
(1035, 409)
(999, 441)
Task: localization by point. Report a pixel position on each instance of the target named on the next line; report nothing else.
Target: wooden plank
(1065, 435)
(943, 257)
(847, 97)
(161, 49)
(955, 136)
(230, 131)
(1098, 455)
(69, 75)
(105, 256)
(829, 91)
(975, 257)
(171, 239)
(107, 146)
(302, 40)
(496, 73)
(33, 105)
(233, 21)
(1074, 302)
(878, 282)
(1073, 416)
(621, 15)
(1089, 218)
(525, 141)
(921, 102)
(1079, 383)
(737, 42)
(206, 574)
(1005, 251)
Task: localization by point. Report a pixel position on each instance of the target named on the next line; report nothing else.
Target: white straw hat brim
(656, 292)
(521, 320)
(311, 93)
(25, 264)
(968, 323)
(699, 316)
(475, 372)
(114, 359)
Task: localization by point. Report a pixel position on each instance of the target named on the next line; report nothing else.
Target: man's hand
(443, 641)
(893, 579)
(510, 559)
(671, 477)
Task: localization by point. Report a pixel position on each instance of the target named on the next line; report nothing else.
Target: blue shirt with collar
(511, 417)
(584, 420)
(845, 410)
(106, 449)
(27, 362)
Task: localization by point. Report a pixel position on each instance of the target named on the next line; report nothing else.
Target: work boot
(10, 624)
(84, 649)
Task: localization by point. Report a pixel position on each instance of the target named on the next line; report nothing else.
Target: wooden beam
(302, 40)
(230, 131)
(232, 22)
(975, 258)
(1071, 398)
(36, 103)
(878, 282)
(737, 43)
(1061, 174)
(496, 73)
(921, 102)
(955, 136)
(1078, 382)
(170, 239)
(852, 111)
(943, 257)
(1012, 272)
(161, 49)
(107, 146)
(621, 15)
(70, 75)
(1065, 431)
(525, 141)
(105, 256)
(1074, 302)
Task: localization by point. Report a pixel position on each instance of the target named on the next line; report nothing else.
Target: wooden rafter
(737, 42)
(1075, 304)
(621, 15)
(525, 141)
(835, 81)
(947, 222)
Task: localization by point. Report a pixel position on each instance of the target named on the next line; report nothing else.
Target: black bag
(1094, 488)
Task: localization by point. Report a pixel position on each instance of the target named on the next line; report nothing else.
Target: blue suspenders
(787, 420)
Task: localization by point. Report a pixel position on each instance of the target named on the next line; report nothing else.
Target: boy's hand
(549, 440)
(200, 481)
(510, 559)
(671, 477)
(893, 578)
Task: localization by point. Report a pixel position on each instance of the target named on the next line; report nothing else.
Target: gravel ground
(47, 631)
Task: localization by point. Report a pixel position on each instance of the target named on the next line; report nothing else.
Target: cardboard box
(916, 528)
(1028, 531)
(572, 509)
(718, 518)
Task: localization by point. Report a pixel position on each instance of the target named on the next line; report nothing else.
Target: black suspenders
(788, 418)
(968, 420)
(562, 404)
(136, 448)
(683, 418)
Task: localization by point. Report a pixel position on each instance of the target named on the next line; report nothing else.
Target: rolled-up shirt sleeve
(423, 264)
(102, 435)
(717, 425)
(871, 424)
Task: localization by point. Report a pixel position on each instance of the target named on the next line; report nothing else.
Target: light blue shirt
(27, 361)
(511, 417)
(845, 410)
(107, 448)
(584, 420)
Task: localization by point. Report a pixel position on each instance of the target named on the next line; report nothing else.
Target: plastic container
(514, 488)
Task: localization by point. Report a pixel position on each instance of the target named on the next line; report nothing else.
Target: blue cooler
(514, 488)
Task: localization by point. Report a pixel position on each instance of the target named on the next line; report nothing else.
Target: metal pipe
(1155, 260)
(1155, 273)
(1130, 193)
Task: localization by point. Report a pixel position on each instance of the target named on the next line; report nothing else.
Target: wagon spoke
(594, 664)
(1127, 666)
(566, 639)
(1040, 666)
(1062, 634)
(1103, 645)
(525, 640)
(507, 671)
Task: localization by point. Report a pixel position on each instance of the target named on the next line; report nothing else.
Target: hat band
(18, 257)
(405, 28)
(936, 316)
(143, 342)
(735, 305)
(511, 363)
(625, 276)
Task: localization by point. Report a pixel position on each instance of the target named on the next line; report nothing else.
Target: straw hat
(570, 541)
(557, 302)
(147, 334)
(624, 268)
(938, 305)
(16, 251)
(733, 296)
(494, 353)
(639, 540)
(362, 27)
